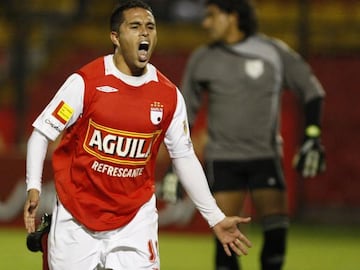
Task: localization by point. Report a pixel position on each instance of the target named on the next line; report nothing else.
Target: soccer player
(114, 112)
(243, 73)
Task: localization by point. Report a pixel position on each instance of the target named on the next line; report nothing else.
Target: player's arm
(299, 77)
(193, 179)
(189, 170)
(36, 153)
(171, 190)
(47, 127)
(310, 159)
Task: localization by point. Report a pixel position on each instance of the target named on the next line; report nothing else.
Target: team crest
(156, 112)
(254, 68)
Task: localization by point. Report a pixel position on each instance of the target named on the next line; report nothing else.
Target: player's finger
(314, 157)
(29, 221)
(243, 239)
(306, 169)
(315, 163)
(29, 215)
(241, 247)
(238, 247)
(241, 220)
(227, 250)
(30, 224)
(309, 164)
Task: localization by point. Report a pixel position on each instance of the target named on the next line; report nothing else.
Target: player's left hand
(310, 160)
(228, 233)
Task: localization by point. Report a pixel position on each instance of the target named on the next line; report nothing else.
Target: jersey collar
(110, 69)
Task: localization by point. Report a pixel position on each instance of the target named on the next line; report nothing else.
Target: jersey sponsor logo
(254, 68)
(156, 112)
(63, 112)
(53, 125)
(186, 132)
(118, 146)
(107, 89)
(117, 171)
(185, 127)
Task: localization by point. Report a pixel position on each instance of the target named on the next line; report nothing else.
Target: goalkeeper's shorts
(225, 175)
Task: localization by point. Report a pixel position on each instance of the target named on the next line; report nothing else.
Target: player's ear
(234, 17)
(114, 36)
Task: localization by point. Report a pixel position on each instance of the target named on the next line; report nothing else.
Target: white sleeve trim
(192, 177)
(36, 153)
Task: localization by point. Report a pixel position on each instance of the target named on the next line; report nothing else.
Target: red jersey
(104, 165)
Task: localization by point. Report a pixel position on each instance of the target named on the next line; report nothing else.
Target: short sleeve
(63, 110)
(177, 137)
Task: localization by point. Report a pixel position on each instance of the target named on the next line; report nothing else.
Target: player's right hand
(310, 160)
(34, 240)
(30, 208)
(171, 189)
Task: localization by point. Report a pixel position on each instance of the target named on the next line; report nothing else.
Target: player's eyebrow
(137, 23)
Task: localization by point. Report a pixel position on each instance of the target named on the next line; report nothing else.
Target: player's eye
(151, 26)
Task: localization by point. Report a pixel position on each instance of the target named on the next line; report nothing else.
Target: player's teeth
(144, 46)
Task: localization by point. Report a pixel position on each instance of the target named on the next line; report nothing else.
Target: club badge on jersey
(156, 112)
(254, 68)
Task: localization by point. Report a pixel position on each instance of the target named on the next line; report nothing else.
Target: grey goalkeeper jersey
(244, 83)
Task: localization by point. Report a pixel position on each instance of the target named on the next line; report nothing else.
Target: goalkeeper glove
(33, 240)
(310, 160)
(171, 189)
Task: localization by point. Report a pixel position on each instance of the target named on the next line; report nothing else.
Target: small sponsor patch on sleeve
(63, 112)
(185, 127)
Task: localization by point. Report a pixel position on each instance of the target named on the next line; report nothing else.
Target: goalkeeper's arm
(310, 160)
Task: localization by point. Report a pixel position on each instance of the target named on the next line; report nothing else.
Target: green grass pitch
(310, 247)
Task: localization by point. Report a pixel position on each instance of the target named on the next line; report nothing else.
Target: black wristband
(313, 110)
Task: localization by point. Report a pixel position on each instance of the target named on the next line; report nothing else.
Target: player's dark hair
(117, 17)
(245, 10)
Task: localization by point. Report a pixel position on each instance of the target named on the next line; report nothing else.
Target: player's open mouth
(143, 50)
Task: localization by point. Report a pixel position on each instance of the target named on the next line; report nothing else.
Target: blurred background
(42, 42)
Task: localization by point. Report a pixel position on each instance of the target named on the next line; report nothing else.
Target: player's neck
(235, 37)
(126, 69)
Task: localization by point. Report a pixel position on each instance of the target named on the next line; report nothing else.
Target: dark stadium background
(42, 42)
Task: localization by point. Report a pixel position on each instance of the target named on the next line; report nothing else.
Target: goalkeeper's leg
(229, 192)
(268, 192)
(273, 252)
(222, 260)
(272, 209)
(231, 203)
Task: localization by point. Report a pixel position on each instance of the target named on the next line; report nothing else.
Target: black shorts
(225, 175)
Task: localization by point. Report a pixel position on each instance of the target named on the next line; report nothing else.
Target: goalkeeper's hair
(245, 11)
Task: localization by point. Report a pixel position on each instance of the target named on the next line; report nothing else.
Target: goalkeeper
(243, 74)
